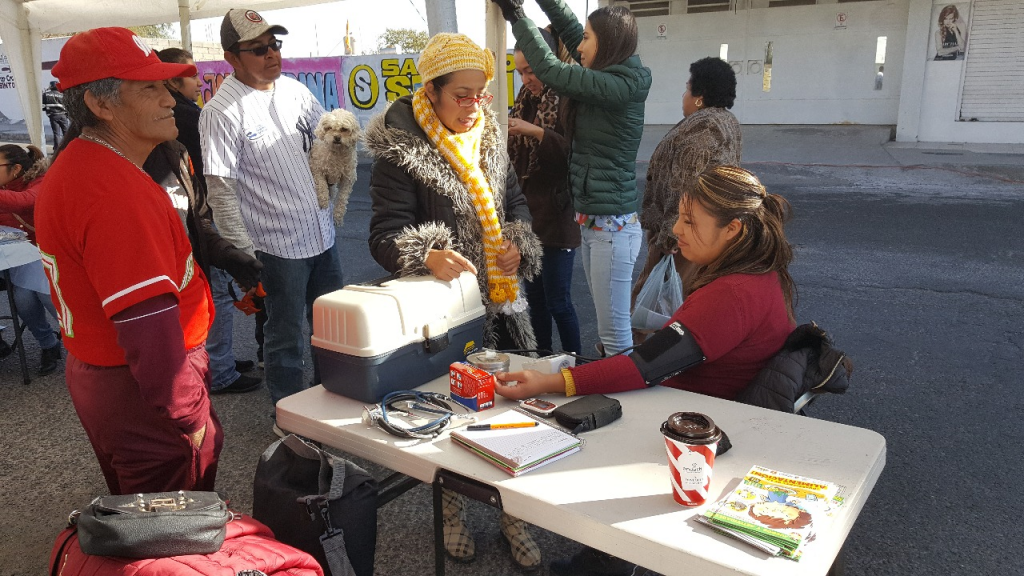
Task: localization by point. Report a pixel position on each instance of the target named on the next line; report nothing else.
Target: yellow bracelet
(570, 384)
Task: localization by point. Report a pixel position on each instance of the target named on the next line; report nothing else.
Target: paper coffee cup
(691, 440)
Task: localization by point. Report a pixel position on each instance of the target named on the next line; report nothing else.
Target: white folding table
(615, 494)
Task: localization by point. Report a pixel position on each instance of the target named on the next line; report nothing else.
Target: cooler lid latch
(432, 343)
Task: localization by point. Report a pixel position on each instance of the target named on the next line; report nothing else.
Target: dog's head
(338, 128)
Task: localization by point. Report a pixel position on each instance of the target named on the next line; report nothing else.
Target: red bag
(249, 545)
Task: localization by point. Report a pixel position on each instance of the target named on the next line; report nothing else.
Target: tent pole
(185, 22)
(496, 42)
(441, 17)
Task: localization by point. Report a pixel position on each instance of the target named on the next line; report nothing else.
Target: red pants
(140, 450)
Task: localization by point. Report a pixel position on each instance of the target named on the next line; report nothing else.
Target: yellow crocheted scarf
(462, 151)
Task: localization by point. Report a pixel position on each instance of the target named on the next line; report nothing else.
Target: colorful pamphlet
(775, 511)
(518, 450)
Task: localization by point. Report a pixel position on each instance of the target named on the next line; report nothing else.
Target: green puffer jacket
(609, 114)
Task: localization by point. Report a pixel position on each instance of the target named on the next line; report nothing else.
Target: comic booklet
(775, 511)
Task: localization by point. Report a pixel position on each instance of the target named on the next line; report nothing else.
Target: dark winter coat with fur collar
(420, 204)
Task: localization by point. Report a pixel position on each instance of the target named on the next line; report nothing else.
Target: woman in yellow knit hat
(447, 201)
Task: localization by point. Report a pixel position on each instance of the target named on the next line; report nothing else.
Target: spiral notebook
(518, 450)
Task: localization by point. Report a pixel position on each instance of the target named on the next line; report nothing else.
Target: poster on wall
(12, 119)
(949, 30)
(322, 76)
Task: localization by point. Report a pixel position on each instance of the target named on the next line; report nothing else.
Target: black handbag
(588, 413)
(153, 525)
(319, 503)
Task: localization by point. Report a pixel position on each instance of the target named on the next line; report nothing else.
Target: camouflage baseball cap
(244, 25)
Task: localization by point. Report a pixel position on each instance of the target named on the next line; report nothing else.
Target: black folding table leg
(446, 479)
(438, 532)
(19, 344)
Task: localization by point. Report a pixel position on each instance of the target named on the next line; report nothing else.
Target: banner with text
(374, 81)
(322, 76)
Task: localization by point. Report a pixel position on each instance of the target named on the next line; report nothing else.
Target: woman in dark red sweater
(736, 316)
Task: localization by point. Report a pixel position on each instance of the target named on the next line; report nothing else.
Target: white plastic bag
(660, 297)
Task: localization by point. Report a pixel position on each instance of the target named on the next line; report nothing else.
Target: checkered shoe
(458, 542)
(524, 549)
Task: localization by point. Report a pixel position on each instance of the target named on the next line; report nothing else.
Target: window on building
(993, 80)
(642, 8)
(784, 3)
(880, 61)
(698, 6)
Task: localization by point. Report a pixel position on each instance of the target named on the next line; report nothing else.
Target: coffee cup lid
(692, 427)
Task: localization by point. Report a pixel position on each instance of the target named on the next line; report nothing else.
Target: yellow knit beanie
(447, 52)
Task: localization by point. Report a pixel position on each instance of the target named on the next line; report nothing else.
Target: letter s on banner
(363, 87)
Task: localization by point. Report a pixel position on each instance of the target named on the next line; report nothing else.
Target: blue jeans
(292, 285)
(608, 259)
(219, 341)
(550, 297)
(32, 309)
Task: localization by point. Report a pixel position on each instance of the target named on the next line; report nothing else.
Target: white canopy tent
(23, 22)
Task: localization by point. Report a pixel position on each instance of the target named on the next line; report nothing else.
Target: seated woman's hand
(530, 383)
(448, 265)
(509, 258)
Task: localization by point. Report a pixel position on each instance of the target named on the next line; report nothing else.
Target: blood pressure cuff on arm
(666, 353)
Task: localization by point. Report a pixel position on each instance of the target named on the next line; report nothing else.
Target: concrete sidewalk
(853, 145)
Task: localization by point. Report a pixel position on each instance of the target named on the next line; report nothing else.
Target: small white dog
(333, 159)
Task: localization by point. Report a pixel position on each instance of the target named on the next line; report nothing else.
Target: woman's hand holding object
(509, 258)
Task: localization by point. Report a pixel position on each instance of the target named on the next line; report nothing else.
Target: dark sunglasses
(262, 50)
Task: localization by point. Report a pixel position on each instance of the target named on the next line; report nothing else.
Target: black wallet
(588, 413)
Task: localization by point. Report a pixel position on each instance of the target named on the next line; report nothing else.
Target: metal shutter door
(993, 84)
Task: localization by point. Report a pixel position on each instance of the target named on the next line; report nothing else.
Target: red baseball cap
(112, 53)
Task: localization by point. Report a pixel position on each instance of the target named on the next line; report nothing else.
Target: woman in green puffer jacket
(606, 121)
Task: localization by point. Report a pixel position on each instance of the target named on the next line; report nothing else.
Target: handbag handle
(327, 462)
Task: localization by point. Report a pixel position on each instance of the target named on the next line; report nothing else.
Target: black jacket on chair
(808, 361)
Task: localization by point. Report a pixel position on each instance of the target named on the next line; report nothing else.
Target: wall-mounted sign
(840, 21)
(949, 30)
(662, 30)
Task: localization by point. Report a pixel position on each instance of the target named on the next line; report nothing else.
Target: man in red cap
(134, 308)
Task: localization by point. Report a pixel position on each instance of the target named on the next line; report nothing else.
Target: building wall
(821, 74)
(931, 93)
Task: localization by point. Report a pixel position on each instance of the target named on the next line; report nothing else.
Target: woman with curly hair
(950, 37)
(707, 136)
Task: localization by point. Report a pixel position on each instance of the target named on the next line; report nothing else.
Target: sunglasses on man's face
(262, 50)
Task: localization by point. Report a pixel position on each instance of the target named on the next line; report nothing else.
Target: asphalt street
(917, 272)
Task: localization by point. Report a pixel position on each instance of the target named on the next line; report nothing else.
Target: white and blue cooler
(395, 334)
